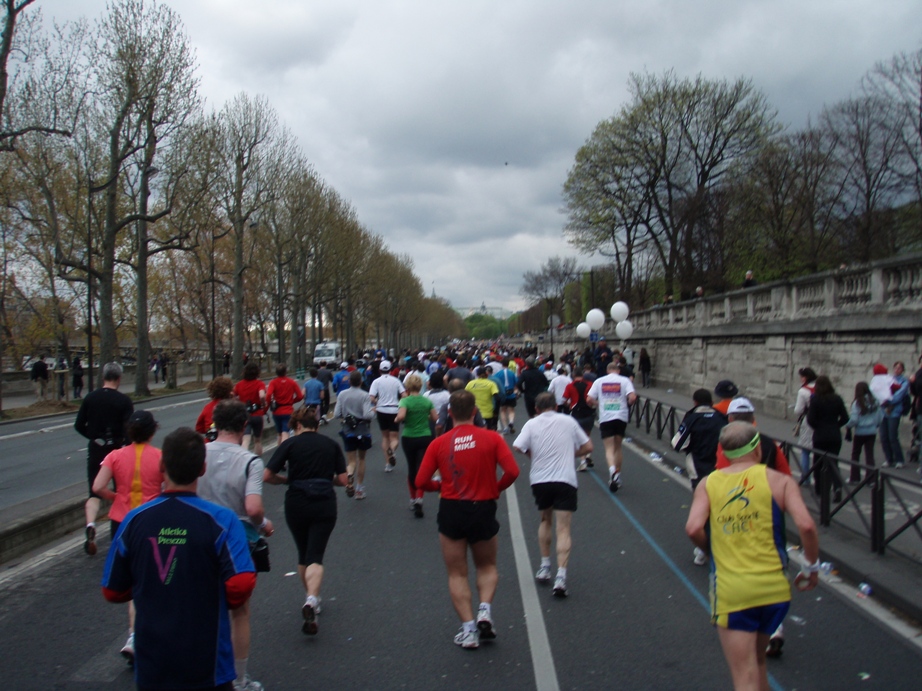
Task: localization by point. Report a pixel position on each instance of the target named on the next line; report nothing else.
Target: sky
(450, 125)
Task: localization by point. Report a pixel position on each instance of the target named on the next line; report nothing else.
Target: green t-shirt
(416, 423)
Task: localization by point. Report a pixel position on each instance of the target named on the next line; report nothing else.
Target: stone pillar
(777, 376)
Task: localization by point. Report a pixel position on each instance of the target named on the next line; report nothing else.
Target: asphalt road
(636, 617)
(41, 455)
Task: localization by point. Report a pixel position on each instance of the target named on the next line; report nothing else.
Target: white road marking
(541, 657)
(66, 425)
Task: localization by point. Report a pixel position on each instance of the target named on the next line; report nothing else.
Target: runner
(282, 394)
(185, 562)
(354, 408)
(386, 392)
(416, 413)
(234, 479)
(487, 397)
(612, 395)
(252, 392)
(552, 441)
(218, 389)
(138, 478)
(101, 419)
(467, 459)
(506, 381)
(315, 464)
(580, 411)
(750, 594)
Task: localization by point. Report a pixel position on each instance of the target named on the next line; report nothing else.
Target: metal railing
(892, 512)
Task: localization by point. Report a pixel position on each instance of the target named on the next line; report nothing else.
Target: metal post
(878, 507)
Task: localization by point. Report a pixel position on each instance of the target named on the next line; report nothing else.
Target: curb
(60, 516)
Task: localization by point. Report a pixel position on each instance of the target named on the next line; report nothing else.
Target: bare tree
(548, 284)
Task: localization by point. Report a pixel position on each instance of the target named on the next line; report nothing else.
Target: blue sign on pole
(594, 337)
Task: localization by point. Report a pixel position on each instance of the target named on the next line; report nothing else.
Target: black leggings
(414, 448)
(831, 447)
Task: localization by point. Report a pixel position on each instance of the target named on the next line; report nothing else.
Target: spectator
(827, 415)
(802, 429)
(864, 417)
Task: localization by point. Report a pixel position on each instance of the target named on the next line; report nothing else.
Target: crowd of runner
(447, 411)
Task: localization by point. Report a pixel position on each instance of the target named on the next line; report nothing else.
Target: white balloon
(583, 330)
(624, 330)
(596, 319)
(619, 311)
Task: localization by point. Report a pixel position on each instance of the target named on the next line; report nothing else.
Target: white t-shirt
(438, 397)
(386, 389)
(557, 386)
(553, 439)
(611, 392)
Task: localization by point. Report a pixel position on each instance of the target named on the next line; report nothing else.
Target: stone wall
(840, 323)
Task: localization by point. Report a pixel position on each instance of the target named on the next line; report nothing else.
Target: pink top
(137, 479)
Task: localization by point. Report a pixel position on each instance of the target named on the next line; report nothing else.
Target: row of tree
(694, 181)
(128, 208)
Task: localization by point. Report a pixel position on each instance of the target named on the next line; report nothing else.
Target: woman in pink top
(138, 479)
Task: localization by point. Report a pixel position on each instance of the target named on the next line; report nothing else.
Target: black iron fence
(895, 506)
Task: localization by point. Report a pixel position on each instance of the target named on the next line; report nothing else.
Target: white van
(329, 353)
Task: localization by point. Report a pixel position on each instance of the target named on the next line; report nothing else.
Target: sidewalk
(893, 578)
(25, 399)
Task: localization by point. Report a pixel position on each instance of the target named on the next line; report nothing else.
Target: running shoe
(589, 462)
(89, 546)
(544, 574)
(309, 613)
(560, 587)
(247, 684)
(391, 458)
(468, 639)
(350, 487)
(511, 428)
(700, 557)
(775, 644)
(127, 650)
(583, 467)
(418, 508)
(485, 625)
(359, 493)
(615, 483)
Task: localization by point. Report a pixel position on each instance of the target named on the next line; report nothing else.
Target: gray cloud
(412, 110)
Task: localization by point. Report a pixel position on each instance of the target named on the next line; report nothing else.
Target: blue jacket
(865, 425)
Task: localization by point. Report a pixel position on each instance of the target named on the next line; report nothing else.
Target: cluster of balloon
(595, 320)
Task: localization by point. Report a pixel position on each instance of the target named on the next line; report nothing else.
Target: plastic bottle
(864, 590)
(826, 568)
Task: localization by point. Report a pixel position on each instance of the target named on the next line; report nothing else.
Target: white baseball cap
(740, 405)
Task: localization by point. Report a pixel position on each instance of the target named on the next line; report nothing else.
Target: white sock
(562, 573)
(311, 600)
(484, 606)
(545, 561)
(240, 666)
(90, 525)
(469, 626)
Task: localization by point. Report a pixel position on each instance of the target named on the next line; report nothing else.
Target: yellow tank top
(746, 530)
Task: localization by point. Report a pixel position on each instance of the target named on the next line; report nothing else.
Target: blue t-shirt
(341, 381)
(175, 553)
(312, 391)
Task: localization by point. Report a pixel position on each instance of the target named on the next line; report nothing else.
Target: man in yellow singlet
(737, 517)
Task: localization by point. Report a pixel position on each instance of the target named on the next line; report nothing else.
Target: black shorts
(467, 520)
(96, 454)
(554, 495)
(612, 428)
(386, 421)
(254, 425)
(362, 443)
(491, 422)
(510, 402)
(311, 523)
(585, 423)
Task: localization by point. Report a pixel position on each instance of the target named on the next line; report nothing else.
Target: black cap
(726, 389)
(141, 417)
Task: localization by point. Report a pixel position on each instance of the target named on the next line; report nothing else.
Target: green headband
(743, 450)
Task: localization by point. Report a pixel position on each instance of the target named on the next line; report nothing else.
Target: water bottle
(864, 590)
(826, 568)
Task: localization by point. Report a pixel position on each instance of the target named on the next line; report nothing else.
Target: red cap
(880, 369)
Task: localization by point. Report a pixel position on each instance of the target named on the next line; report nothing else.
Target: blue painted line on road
(666, 559)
